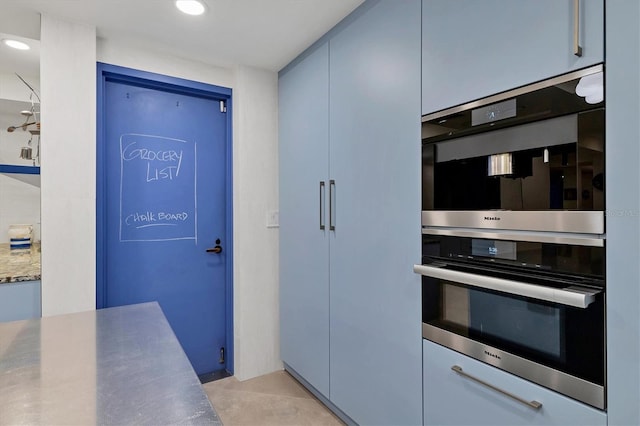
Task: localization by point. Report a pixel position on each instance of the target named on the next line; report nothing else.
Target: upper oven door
(536, 149)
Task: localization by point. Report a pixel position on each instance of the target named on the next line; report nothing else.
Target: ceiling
(266, 34)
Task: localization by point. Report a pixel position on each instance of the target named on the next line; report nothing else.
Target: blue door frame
(107, 72)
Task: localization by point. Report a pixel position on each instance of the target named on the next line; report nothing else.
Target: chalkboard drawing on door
(164, 221)
(158, 198)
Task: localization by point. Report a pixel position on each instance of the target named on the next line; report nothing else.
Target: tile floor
(272, 399)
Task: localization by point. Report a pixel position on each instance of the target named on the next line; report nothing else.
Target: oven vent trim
(586, 240)
(565, 221)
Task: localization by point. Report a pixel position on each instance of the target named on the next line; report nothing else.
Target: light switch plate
(273, 219)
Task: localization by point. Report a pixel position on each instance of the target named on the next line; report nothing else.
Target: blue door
(163, 154)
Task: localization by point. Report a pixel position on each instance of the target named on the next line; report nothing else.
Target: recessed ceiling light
(190, 7)
(16, 44)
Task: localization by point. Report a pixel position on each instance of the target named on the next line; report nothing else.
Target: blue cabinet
(19, 301)
(304, 245)
(623, 208)
(375, 162)
(472, 49)
(349, 301)
(451, 398)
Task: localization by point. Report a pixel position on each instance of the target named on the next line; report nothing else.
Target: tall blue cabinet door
(304, 246)
(473, 49)
(375, 162)
(623, 207)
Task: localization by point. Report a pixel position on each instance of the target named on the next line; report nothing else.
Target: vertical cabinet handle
(577, 49)
(531, 404)
(322, 205)
(332, 205)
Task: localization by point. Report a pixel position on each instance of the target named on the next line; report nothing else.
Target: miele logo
(492, 355)
(491, 218)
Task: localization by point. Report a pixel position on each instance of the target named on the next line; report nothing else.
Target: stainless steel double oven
(513, 226)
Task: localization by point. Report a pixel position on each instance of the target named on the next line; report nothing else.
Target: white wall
(68, 81)
(19, 194)
(115, 53)
(12, 88)
(257, 326)
(68, 168)
(20, 200)
(11, 142)
(20, 205)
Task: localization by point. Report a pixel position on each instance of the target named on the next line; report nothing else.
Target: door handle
(322, 205)
(217, 249)
(332, 205)
(576, 296)
(531, 404)
(577, 49)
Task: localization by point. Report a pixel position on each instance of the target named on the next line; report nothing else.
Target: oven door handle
(531, 404)
(576, 296)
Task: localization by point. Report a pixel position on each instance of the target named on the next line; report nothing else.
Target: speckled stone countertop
(19, 264)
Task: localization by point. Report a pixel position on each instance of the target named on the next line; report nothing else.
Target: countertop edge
(19, 279)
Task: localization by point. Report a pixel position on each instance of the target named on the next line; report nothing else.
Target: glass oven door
(539, 147)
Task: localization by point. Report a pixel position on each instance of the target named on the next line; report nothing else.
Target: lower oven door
(551, 336)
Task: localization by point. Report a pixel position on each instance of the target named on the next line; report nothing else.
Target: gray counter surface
(112, 366)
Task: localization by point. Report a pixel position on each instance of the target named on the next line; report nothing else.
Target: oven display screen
(497, 249)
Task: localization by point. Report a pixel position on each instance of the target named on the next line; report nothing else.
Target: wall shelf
(27, 170)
